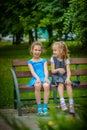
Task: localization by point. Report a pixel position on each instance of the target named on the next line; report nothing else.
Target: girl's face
(36, 51)
(56, 52)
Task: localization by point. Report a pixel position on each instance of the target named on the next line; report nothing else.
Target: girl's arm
(46, 72)
(68, 71)
(33, 72)
(68, 81)
(53, 70)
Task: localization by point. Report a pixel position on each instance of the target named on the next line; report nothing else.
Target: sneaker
(40, 112)
(63, 106)
(45, 110)
(71, 108)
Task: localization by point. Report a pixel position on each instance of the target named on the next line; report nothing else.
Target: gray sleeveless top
(58, 78)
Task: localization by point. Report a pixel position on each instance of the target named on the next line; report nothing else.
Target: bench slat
(78, 60)
(81, 85)
(23, 74)
(79, 72)
(16, 63)
(23, 87)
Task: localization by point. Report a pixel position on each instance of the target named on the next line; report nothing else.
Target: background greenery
(9, 52)
(58, 17)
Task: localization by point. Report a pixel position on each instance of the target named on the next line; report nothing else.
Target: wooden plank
(23, 87)
(23, 74)
(79, 72)
(16, 63)
(81, 85)
(78, 60)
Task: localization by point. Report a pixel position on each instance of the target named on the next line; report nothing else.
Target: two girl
(60, 75)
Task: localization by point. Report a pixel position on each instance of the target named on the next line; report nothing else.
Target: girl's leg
(61, 95)
(70, 95)
(46, 87)
(38, 97)
(37, 92)
(69, 91)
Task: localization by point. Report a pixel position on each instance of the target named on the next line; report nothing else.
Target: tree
(75, 19)
(52, 16)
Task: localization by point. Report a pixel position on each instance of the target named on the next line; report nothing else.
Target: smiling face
(36, 51)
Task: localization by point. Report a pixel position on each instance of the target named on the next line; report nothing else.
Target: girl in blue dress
(60, 67)
(39, 71)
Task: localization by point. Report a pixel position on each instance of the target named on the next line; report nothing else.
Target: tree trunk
(31, 38)
(50, 32)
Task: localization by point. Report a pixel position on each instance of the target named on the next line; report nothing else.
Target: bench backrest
(74, 61)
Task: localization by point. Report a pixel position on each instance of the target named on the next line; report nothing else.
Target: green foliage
(75, 19)
(62, 122)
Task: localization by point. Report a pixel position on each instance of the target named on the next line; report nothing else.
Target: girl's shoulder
(30, 61)
(67, 61)
(44, 60)
(54, 59)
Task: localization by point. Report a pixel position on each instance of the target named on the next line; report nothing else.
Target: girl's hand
(38, 80)
(61, 70)
(68, 81)
(47, 81)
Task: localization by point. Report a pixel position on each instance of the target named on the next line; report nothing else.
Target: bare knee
(61, 85)
(68, 87)
(37, 86)
(46, 86)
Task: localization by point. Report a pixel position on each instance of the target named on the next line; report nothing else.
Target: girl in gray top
(60, 67)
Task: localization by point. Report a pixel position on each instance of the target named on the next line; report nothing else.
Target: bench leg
(15, 100)
(55, 95)
(17, 103)
(19, 110)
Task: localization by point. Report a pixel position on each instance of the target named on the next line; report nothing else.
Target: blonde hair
(34, 44)
(62, 46)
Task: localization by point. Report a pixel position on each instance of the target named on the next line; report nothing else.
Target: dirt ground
(29, 119)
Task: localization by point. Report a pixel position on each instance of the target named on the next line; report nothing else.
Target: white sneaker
(63, 106)
(71, 108)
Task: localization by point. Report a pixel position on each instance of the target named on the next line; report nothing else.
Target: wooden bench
(19, 71)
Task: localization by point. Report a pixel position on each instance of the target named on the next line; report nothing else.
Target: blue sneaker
(45, 110)
(40, 112)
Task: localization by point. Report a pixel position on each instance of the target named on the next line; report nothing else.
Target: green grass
(8, 52)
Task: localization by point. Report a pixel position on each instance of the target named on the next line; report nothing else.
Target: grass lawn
(8, 52)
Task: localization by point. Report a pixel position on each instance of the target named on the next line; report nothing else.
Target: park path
(29, 119)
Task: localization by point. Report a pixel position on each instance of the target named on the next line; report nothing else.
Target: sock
(45, 105)
(62, 100)
(71, 101)
(39, 105)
